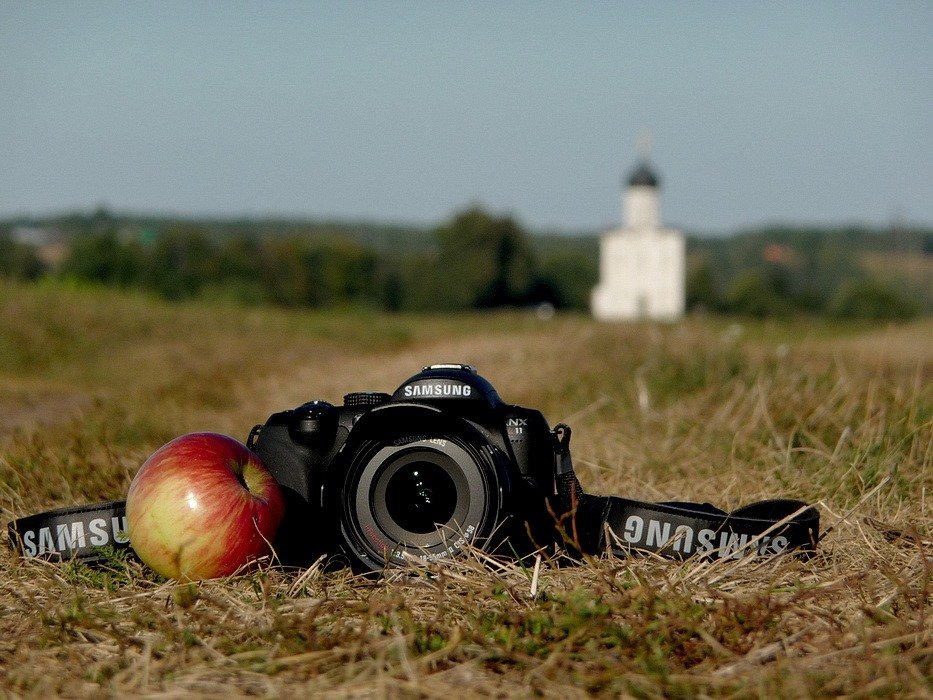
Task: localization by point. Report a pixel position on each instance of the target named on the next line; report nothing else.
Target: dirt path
(28, 409)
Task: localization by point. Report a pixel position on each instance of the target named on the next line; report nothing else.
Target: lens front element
(421, 496)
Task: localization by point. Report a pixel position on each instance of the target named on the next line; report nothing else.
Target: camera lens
(420, 496)
(423, 499)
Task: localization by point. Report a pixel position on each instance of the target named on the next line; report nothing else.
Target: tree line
(846, 272)
(476, 260)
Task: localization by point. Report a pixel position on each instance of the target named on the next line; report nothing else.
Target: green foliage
(18, 261)
(115, 569)
(180, 264)
(185, 262)
(701, 286)
(871, 299)
(570, 276)
(775, 271)
(483, 261)
(101, 257)
(753, 294)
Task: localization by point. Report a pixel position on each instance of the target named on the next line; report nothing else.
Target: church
(642, 265)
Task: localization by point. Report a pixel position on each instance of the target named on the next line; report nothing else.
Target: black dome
(643, 176)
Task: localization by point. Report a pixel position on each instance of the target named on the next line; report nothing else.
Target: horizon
(427, 227)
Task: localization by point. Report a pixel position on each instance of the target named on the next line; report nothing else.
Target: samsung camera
(417, 475)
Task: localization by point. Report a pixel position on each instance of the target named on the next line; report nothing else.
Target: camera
(416, 475)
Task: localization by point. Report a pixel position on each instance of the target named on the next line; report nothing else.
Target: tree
(283, 273)
(340, 271)
(570, 276)
(181, 263)
(868, 298)
(101, 257)
(701, 289)
(483, 261)
(18, 261)
(751, 294)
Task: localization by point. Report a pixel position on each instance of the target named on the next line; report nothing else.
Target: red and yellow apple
(202, 506)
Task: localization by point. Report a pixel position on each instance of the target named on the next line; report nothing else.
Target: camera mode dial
(365, 399)
(314, 423)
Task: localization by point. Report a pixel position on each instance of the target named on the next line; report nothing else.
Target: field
(92, 381)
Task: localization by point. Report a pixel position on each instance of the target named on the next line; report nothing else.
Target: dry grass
(91, 382)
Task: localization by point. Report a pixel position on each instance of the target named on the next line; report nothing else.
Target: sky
(407, 112)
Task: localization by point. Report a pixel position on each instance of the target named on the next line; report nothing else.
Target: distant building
(48, 243)
(33, 236)
(642, 265)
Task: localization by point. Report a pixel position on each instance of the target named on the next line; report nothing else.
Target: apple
(202, 506)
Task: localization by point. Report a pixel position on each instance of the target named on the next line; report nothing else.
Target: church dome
(643, 176)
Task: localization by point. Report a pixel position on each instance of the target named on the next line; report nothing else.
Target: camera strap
(673, 529)
(679, 529)
(71, 533)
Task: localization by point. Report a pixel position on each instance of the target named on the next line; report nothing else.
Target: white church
(642, 265)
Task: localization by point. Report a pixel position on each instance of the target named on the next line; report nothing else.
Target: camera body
(413, 476)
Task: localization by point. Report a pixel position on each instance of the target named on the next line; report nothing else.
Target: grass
(93, 381)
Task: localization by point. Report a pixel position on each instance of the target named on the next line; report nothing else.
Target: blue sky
(407, 112)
